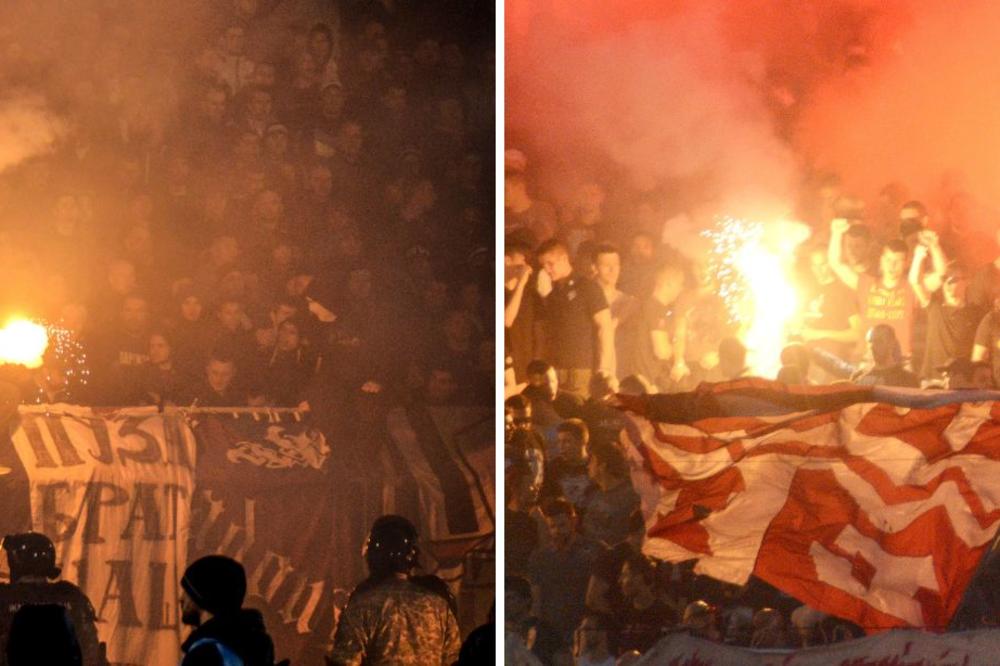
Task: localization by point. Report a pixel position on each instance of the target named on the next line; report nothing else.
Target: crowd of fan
(316, 217)
(598, 302)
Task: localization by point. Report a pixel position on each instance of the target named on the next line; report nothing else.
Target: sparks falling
(756, 281)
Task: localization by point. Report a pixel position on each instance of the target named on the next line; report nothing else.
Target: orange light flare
(23, 342)
(754, 263)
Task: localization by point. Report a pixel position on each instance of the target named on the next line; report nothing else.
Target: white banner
(113, 492)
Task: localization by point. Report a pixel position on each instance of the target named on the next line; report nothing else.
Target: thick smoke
(748, 99)
(653, 96)
(923, 113)
(28, 127)
(88, 60)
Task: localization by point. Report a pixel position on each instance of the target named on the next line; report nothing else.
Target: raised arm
(511, 309)
(839, 227)
(939, 263)
(916, 282)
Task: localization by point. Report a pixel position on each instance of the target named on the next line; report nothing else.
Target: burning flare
(23, 342)
(754, 264)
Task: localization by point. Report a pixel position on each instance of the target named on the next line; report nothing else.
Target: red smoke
(751, 95)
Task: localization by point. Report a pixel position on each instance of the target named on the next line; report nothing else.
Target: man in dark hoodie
(224, 632)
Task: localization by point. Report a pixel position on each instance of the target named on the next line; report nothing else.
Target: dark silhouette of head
(30, 554)
(391, 547)
(216, 584)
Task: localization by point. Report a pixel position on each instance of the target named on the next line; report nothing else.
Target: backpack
(229, 658)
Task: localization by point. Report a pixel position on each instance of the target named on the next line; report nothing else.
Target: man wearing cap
(32, 561)
(224, 632)
(393, 616)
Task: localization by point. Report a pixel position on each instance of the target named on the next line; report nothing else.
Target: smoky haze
(68, 67)
(739, 103)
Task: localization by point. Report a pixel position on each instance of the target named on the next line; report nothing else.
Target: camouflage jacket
(396, 622)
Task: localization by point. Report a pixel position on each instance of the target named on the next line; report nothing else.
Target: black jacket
(244, 633)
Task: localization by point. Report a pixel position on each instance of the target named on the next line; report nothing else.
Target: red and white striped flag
(868, 503)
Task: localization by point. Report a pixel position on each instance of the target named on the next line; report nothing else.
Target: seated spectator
(610, 501)
(887, 361)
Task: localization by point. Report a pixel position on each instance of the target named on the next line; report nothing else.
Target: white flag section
(113, 491)
(871, 512)
(909, 647)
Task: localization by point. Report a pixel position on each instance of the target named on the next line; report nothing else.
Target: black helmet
(31, 553)
(391, 546)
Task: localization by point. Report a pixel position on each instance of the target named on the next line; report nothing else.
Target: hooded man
(224, 632)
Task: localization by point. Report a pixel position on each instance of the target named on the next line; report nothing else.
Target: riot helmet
(30, 554)
(391, 546)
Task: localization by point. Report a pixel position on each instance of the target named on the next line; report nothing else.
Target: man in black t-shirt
(579, 330)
